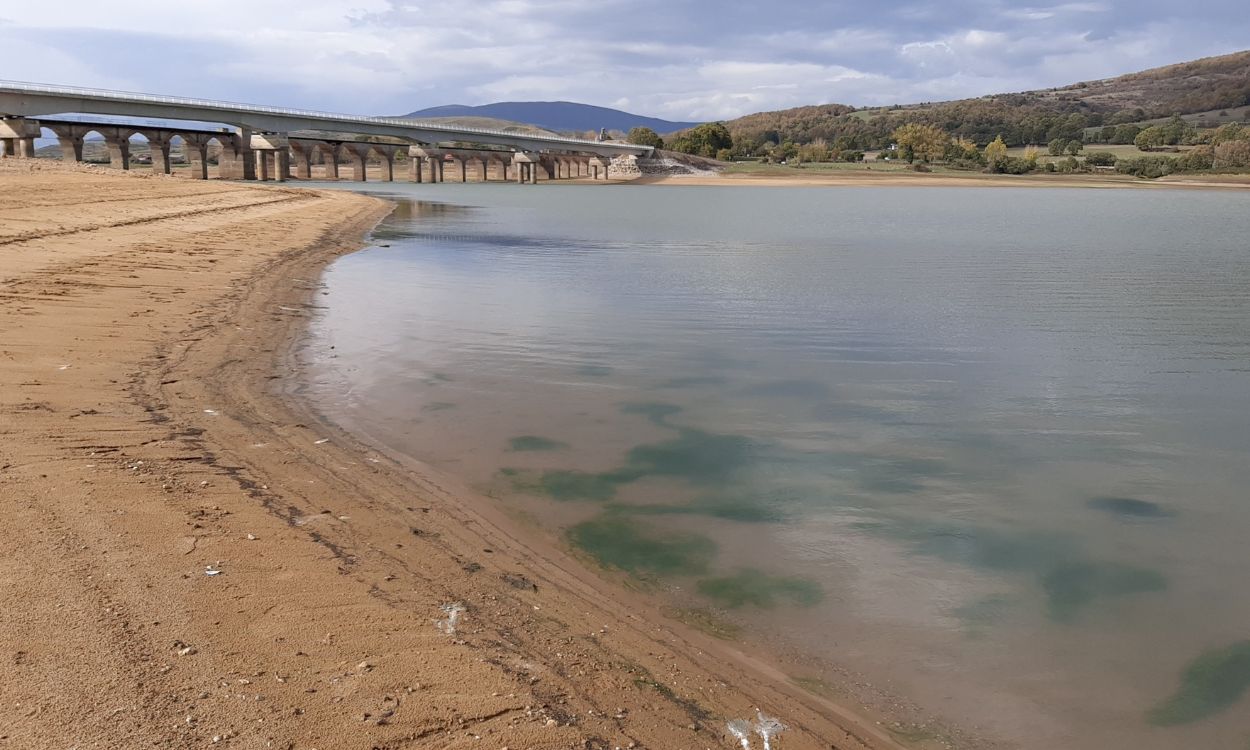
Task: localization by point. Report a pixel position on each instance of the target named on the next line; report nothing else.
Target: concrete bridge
(267, 142)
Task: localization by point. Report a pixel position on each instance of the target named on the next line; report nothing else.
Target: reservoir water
(984, 449)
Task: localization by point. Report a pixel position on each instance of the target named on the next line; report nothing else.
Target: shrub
(1015, 165)
(1232, 155)
(1199, 159)
(920, 168)
(1150, 167)
(1100, 159)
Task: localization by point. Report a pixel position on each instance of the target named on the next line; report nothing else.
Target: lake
(975, 453)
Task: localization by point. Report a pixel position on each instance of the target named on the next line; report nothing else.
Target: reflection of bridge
(266, 142)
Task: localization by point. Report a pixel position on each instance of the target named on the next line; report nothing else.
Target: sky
(663, 58)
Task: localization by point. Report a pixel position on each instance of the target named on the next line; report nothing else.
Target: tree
(1074, 147)
(1055, 147)
(645, 137)
(917, 140)
(1176, 130)
(1100, 159)
(996, 154)
(709, 138)
(1031, 154)
(1149, 139)
(1125, 134)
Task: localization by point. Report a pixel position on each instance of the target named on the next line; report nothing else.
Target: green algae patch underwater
(1073, 587)
(535, 443)
(1128, 507)
(639, 549)
(730, 508)
(1211, 683)
(756, 588)
(657, 412)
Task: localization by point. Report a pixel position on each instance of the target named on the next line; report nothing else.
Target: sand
(189, 558)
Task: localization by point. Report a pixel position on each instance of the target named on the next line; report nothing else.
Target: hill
(557, 116)
(490, 123)
(1214, 89)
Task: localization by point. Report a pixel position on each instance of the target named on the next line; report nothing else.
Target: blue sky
(680, 60)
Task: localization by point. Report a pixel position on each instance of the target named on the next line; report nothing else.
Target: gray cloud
(674, 59)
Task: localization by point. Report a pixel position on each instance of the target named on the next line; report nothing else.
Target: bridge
(264, 142)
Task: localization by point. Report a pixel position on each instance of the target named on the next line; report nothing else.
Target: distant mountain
(558, 116)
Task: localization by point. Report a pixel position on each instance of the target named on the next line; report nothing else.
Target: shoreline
(865, 178)
(224, 564)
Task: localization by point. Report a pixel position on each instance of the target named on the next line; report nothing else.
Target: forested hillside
(1215, 90)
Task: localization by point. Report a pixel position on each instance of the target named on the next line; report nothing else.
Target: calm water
(987, 448)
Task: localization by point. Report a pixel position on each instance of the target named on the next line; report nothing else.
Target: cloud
(670, 58)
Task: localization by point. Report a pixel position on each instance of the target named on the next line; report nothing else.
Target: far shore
(894, 178)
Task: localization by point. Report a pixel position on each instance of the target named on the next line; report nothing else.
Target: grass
(1211, 683)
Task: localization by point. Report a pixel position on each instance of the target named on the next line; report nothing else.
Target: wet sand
(190, 557)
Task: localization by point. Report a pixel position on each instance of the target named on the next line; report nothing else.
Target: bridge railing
(94, 93)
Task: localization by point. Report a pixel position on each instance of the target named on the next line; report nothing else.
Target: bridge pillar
(18, 135)
(330, 159)
(418, 164)
(358, 156)
(526, 166)
(264, 164)
(271, 155)
(195, 150)
(599, 168)
(303, 161)
(118, 144)
(387, 153)
(485, 169)
(159, 143)
(70, 139)
(236, 162)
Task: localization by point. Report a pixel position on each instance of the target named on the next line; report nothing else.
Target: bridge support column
(526, 166)
(195, 150)
(264, 164)
(159, 143)
(118, 145)
(417, 165)
(330, 159)
(70, 139)
(272, 159)
(303, 162)
(388, 162)
(599, 168)
(18, 135)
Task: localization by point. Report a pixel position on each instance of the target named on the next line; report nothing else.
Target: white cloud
(669, 58)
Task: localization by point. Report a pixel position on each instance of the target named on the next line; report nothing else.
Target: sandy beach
(192, 559)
